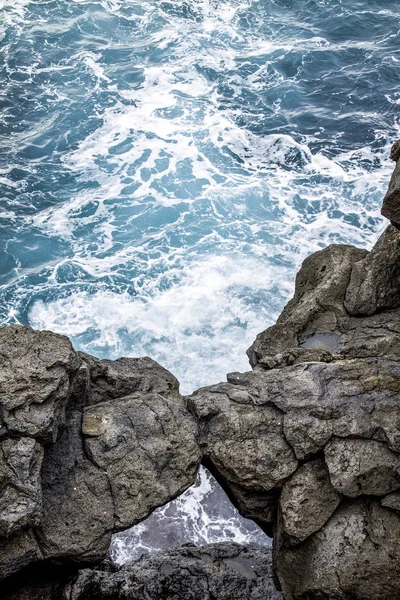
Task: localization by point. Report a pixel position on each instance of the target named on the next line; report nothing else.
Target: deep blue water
(166, 166)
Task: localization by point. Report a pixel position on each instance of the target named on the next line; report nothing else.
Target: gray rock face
(375, 281)
(87, 447)
(147, 446)
(355, 555)
(36, 370)
(224, 571)
(317, 306)
(245, 444)
(307, 501)
(318, 401)
(21, 496)
(78, 509)
(358, 467)
(391, 202)
(392, 501)
(109, 379)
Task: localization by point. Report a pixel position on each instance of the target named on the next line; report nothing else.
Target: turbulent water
(166, 165)
(202, 515)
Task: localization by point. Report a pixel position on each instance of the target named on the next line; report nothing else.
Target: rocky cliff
(307, 444)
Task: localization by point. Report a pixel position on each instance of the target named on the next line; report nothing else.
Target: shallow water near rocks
(166, 166)
(322, 341)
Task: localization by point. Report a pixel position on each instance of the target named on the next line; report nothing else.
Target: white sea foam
(199, 328)
(170, 140)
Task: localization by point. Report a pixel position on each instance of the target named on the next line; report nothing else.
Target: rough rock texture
(356, 555)
(335, 287)
(391, 202)
(36, 370)
(307, 501)
(147, 446)
(243, 441)
(110, 379)
(358, 467)
(317, 306)
(87, 447)
(224, 571)
(21, 497)
(78, 509)
(375, 281)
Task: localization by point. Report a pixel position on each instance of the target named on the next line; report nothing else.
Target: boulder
(317, 307)
(225, 571)
(20, 485)
(375, 281)
(36, 372)
(110, 379)
(244, 444)
(355, 555)
(307, 501)
(87, 448)
(391, 202)
(362, 467)
(344, 398)
(146, 444)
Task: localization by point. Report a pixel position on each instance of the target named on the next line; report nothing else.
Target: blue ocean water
(167, 165)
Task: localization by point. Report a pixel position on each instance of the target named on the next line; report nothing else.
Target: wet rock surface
(225, 571)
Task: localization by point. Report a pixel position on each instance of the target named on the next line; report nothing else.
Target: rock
(36, 370)
(225, 571)
(18, 551)
(110, 379)
(147, 446)
(317, 305)
(244, 444)
(307, 501)
(359, 467)
(346, 398)
(87, 447)
(392, 501)
(21, 492)
(375, 281)
(391, 202)
(377, 335)
(78, 508)
(355, 555)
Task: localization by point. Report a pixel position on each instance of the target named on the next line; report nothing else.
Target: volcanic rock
(225, 571)
(391, 202)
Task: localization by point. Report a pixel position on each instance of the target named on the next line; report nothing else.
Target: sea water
(167, 165)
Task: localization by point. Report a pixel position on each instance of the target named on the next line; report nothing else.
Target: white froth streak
(201, 318)
(201, 324)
